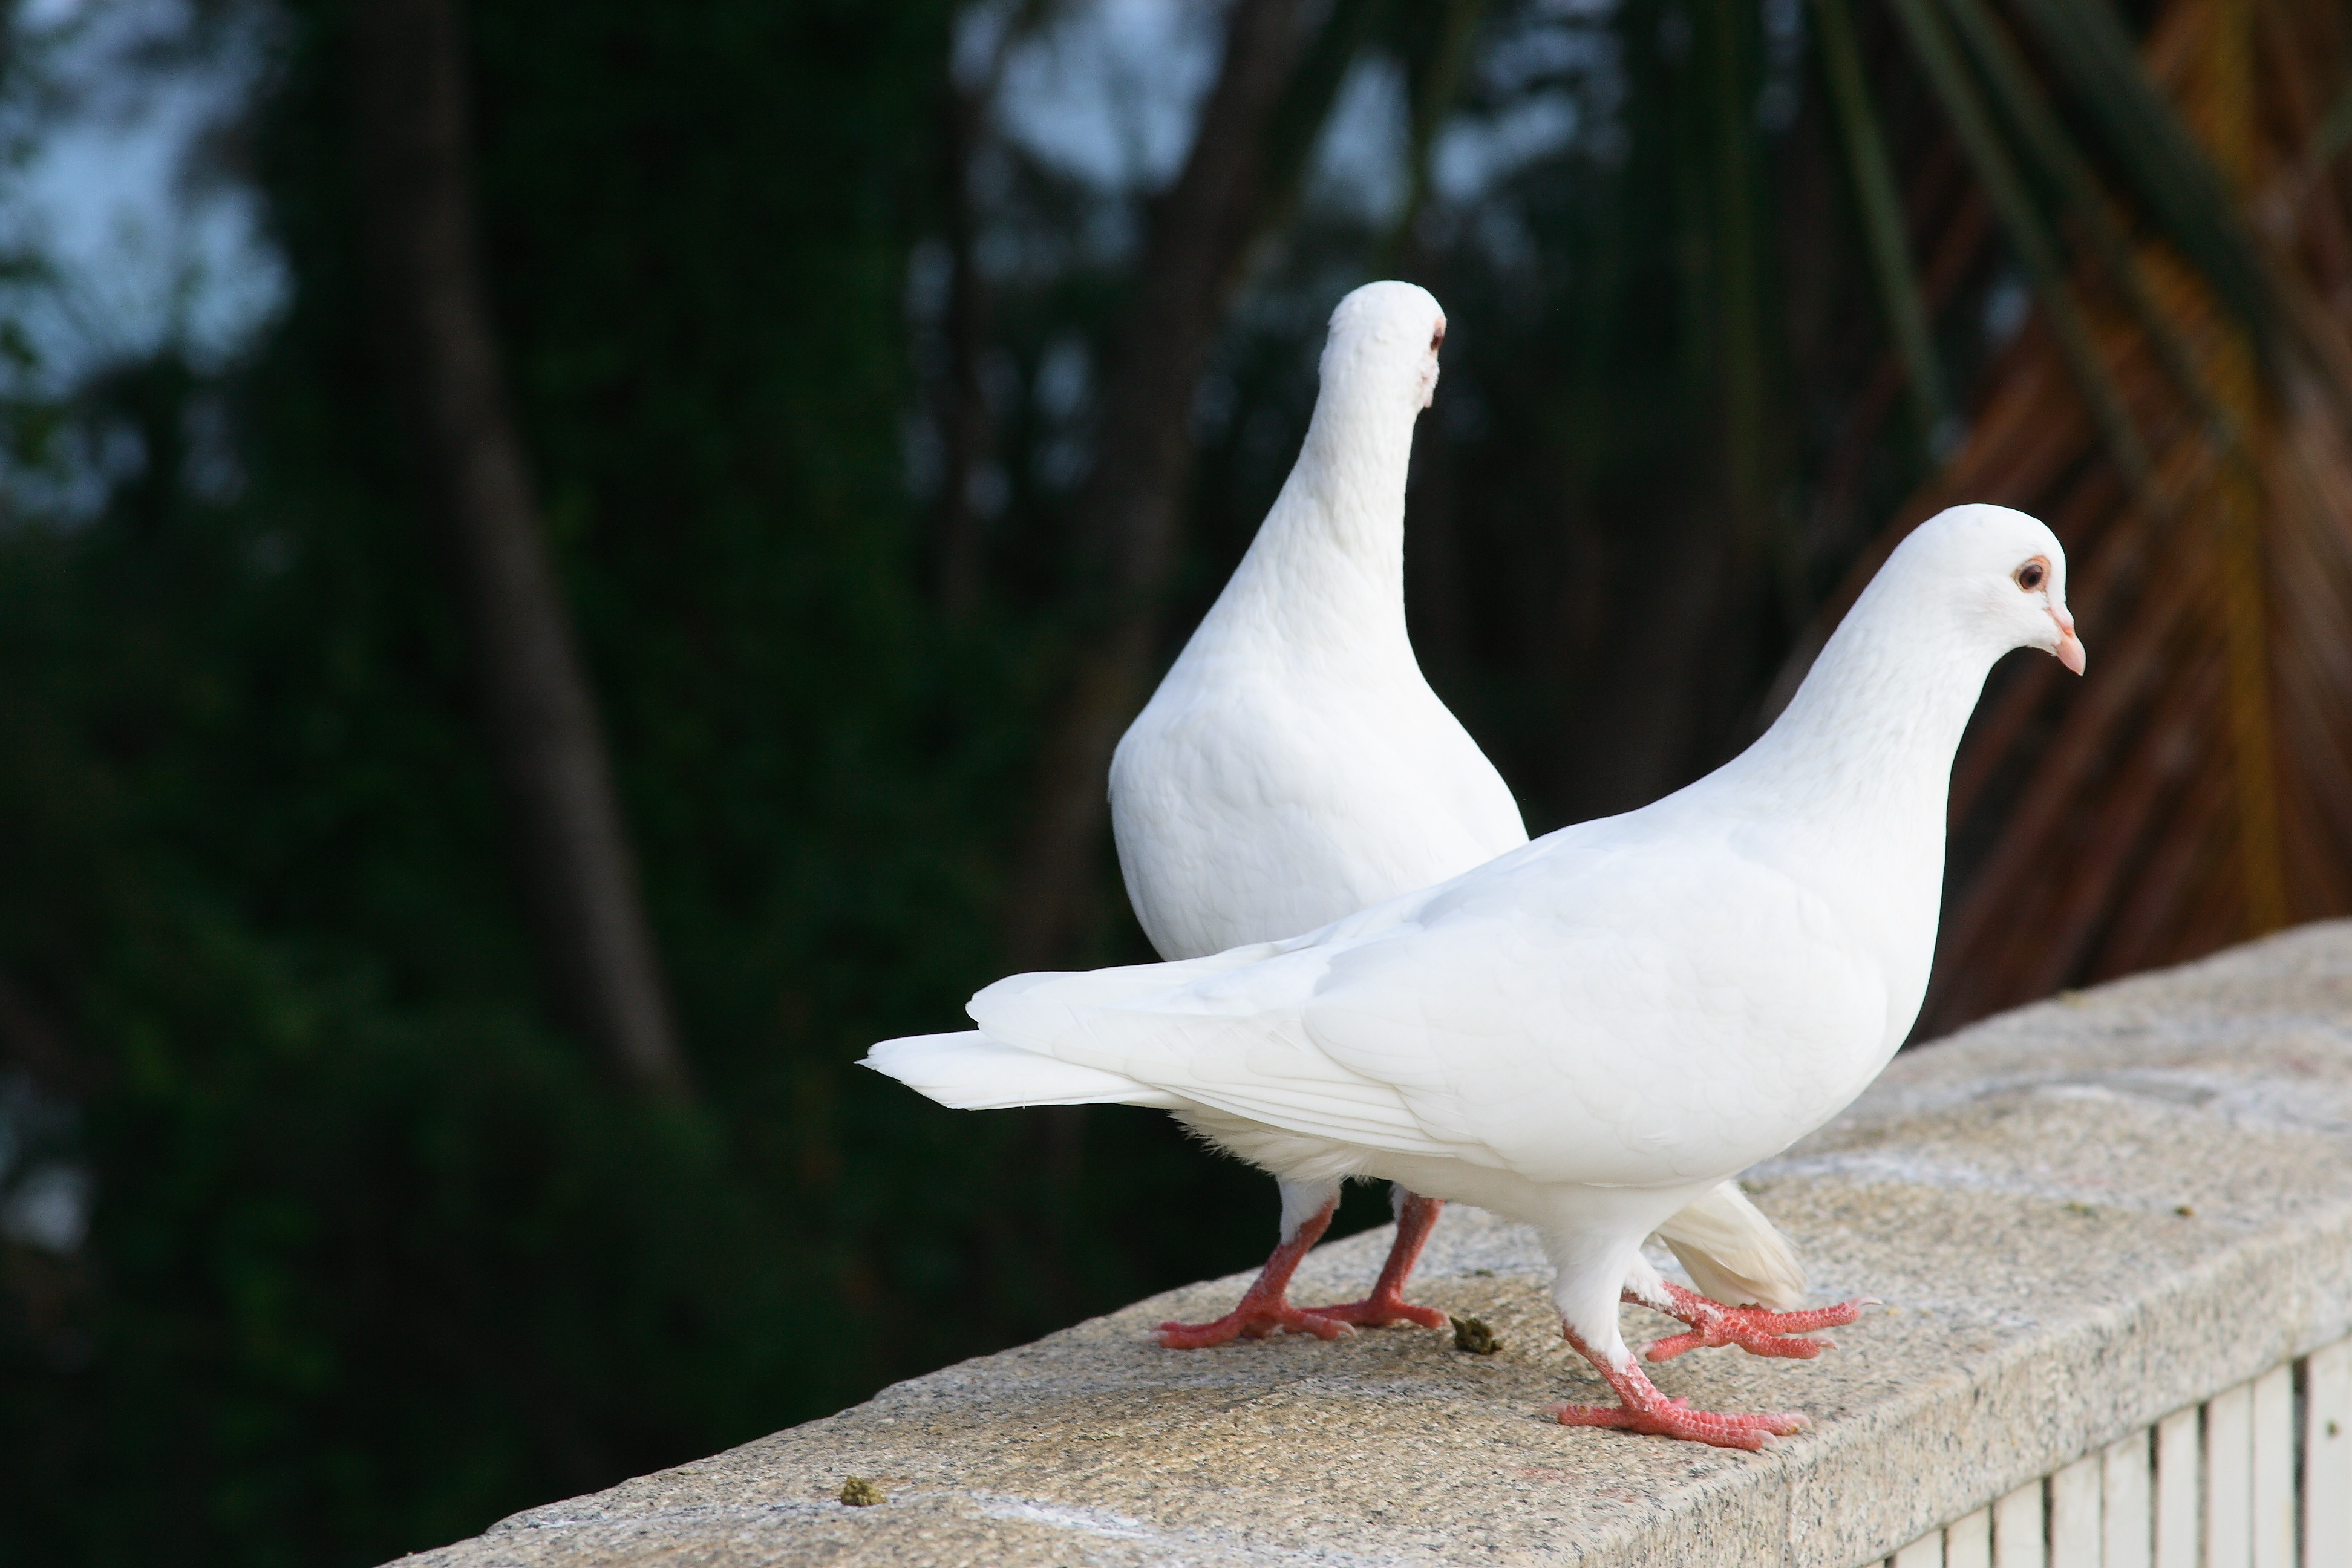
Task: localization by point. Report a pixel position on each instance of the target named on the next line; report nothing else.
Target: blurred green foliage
(377, 1255)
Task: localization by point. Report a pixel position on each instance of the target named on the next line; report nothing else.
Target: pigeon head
(1384, 340)
(2002, 575)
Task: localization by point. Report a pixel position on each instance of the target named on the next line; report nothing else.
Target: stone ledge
(2082, 1215)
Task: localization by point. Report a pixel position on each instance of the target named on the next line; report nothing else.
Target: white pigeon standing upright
(1591, 1031)
(1295, 767)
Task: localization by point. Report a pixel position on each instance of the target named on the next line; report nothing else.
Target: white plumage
(1591, 1031)
(1294, 766)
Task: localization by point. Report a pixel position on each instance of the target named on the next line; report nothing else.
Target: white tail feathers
(968, 1071)
(1733, 1254)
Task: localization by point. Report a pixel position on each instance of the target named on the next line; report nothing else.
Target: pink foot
(1383, 1310)
(1643, 1409)
(1251, 1320)
(1386, 1304)
(1264, 1308)
(1752, 1329)
(1666, 1417)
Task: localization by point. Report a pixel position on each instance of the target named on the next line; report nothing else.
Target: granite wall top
(2080, 1215)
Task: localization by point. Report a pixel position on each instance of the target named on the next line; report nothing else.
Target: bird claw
(1250, 1321)
(1675, 1418)
(1764, 1344)
(1643, 1407)
(1752, 1329)
(1381, 1310)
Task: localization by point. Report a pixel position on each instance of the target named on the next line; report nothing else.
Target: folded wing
(1592, 1011)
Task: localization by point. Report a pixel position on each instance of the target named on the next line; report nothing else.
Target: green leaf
(1881, 209)
(2046, 138)
(2028, 232)
(2174, 179)
(2332, 134)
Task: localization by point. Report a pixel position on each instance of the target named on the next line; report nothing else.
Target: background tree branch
(1278, 75)
(595, 947)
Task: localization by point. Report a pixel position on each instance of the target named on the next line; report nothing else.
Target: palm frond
(1887, 236)
(2170, 173)
(2191, 791)
(2045, 137)
(2333, 133)
(2028, 232)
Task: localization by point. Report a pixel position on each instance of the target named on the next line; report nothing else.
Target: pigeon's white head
(2003, 575)
(1385, 338)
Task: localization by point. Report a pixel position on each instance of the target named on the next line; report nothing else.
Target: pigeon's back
(1628, 1002)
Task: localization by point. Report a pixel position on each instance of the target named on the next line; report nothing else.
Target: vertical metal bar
(2179, 1489)
(2074, 1515)
(2230, 1478)
(2126, 1505)
(1968, 1541)
(1927, 1552)
(2327, 1457)
(2274, 1468)
(2017, 1538)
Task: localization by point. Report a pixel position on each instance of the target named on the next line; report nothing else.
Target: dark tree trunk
(595, 947)
(965, 425)
(1126, 514)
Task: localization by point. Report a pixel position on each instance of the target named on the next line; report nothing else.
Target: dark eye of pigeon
(1436, 337)
(2029, 576)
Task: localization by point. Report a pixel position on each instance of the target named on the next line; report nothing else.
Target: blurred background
(566, 567)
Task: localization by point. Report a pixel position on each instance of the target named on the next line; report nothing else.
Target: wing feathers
(968, 1071)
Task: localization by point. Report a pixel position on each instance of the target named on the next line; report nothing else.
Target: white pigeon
(1295, 767)
(1589, 1032)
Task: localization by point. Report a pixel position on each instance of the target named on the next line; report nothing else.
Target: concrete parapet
(2110, 1232)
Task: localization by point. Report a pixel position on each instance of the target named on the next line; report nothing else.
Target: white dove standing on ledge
(1591, 1031)
(1295, 767)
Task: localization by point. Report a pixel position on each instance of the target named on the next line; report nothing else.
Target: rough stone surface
(2080, 1215)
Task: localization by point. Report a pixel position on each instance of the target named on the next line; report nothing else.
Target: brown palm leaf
(2197, 787)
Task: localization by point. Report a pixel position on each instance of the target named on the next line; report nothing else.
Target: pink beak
(2069, 647)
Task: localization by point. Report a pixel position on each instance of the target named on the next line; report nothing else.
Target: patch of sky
(140, 237)
(1549, 81)
(1359, 162)
(1545, 51)
(1065, 374)
(1475, 154)
(2006, 306)
(48, 1208)
(1778, 100)
(126, 228)
(44, 1198)
(1107, 91)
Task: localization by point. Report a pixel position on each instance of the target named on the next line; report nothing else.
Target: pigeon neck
(1870, 736)
(1331, 552)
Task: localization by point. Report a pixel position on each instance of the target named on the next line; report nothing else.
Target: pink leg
(1265, 1306)
(1387, 1304)
(1641, 1408)
(1752, 1329)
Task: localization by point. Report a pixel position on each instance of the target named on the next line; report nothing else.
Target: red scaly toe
(1644, 1409)
(1266, 1308)
(1386, 1304)
(1675, 1418)
(1380, 1311)
(1752, 1329)
(1251, 1320)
